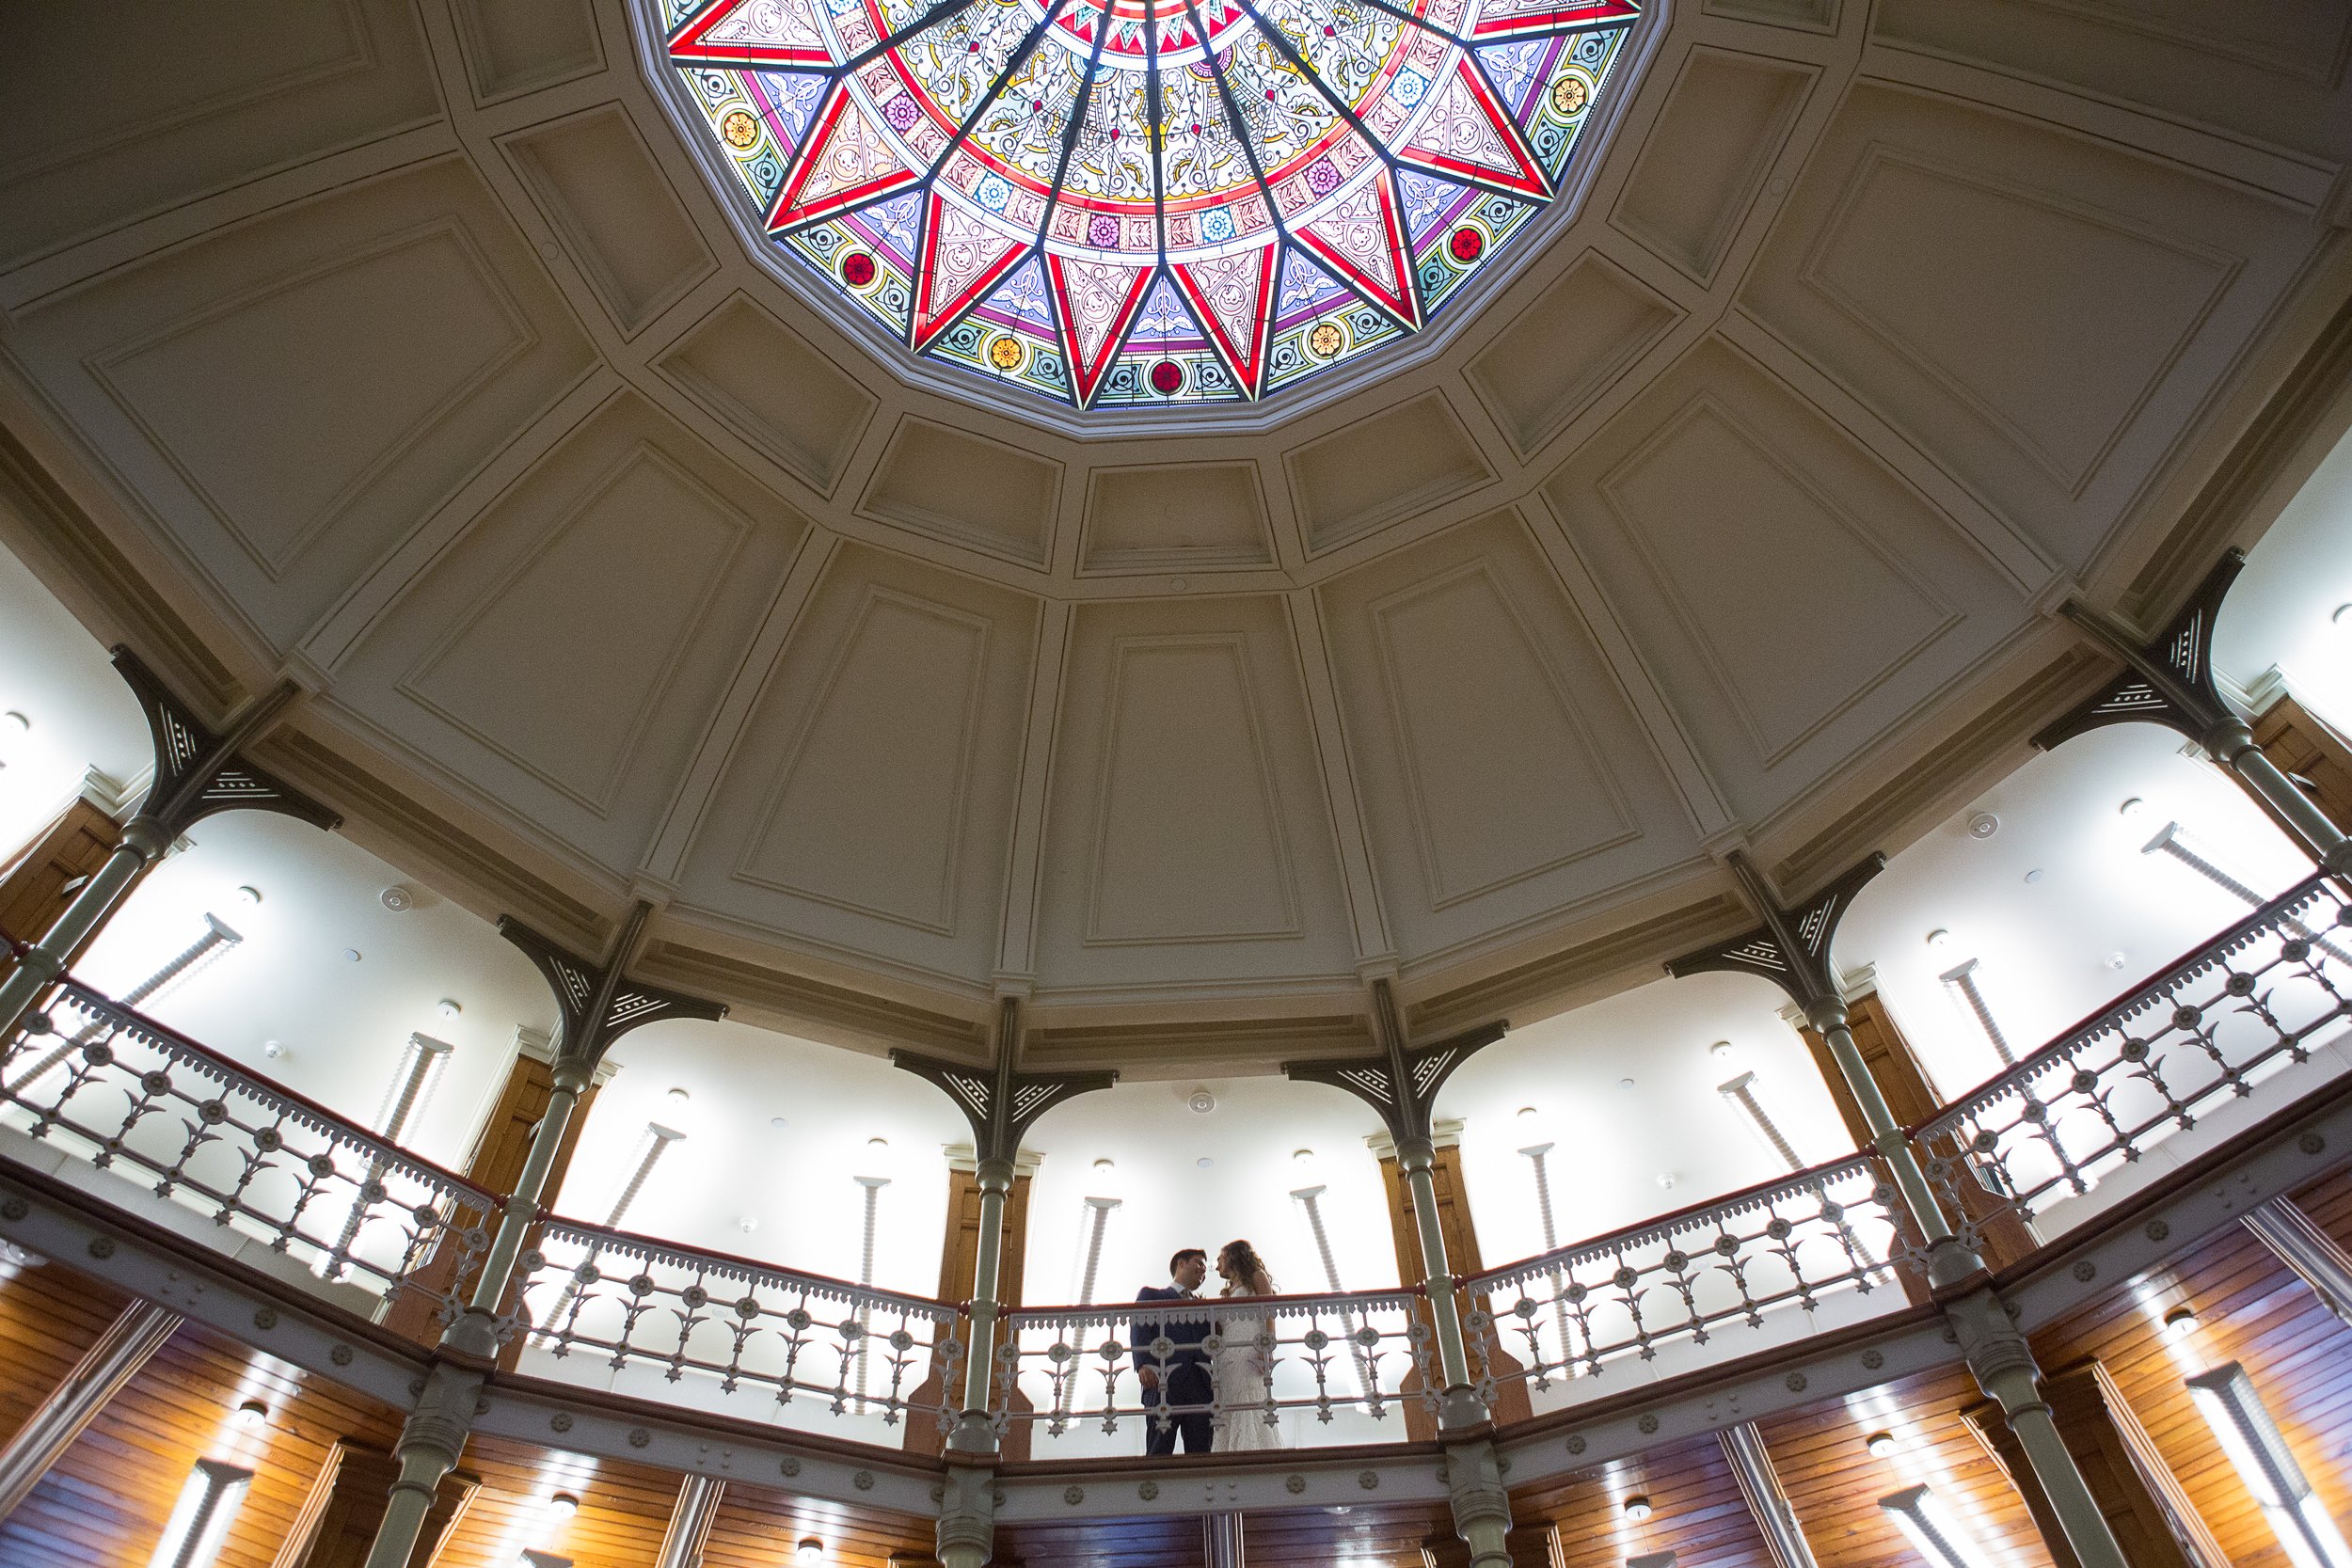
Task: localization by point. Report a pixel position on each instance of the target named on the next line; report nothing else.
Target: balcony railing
(1795, 1243)
(2149, 1069)
(130, 1096)
(1347, 1360)
(333, 1207)
(738, 1326)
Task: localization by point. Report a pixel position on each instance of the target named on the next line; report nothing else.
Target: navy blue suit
(1183, 1380)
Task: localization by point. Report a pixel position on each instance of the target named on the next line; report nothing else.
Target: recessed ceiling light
(273, 1049)
(2343, 617)
(2180, 1322)
(779, 1123)
(249, 896)
(1939, 938)
(747, 1224)
(252, 1415)
(810, 1551)
(1666, 1180)
(562, 1505)
(13, 717)
(1637, 1508)
(1106, 1163)
(2131, 808)
(1300, 1156)
(351, 955)
(1205, 1161)
(2117, 960)
(1625, 1083)
(2035, 875)
(878, 1143)
(448, 1007)
(1525, 1112)
(1881, 1444)
(678, 1095)
(1723, 1050)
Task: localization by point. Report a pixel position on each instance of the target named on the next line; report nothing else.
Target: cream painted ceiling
(399, 350)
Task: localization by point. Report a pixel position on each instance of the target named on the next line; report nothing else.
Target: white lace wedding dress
(1237, 1373)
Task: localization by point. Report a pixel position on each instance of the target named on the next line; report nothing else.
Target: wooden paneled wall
(36, 886)
(104, 1503)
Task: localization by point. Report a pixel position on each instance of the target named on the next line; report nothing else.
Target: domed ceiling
(412, 352)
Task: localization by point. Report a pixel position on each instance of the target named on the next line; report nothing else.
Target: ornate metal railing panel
(129, 1095)
(2255, 1001)
(804, 1338)
(1792, 1243)
(1365, 1351)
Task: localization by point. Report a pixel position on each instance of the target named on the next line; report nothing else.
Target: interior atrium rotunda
(1171, 784)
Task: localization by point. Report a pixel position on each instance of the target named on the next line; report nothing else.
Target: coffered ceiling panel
(1721, 128)
(1189, 517)
(1187, 833)
(1396, 463)
(2271, 69)
(598, 185)
(1502, 775)
(967, 489)
(231, 89)
(514, 47)
(770, 386)
(502, 664)
(863, 809)
(286, 400)
(2037, 310)
(1793, 598)
(1563, 350)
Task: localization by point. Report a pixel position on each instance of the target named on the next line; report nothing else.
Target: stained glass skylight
(1134, 203)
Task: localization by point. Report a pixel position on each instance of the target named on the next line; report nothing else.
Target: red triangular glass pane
(1467, 135)
(760, 34)
(846, 161)
(1363, 241)
(1233, 296)
(962, 259)
(1500, 19)
(1097, 302)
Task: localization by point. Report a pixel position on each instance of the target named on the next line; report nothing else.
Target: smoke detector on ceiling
(1201, 1101)
(1983, 825)
(397, 899)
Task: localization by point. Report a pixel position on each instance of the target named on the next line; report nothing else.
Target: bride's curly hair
(1252, 1276)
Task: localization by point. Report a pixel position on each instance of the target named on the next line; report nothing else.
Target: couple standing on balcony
(1215, 1397)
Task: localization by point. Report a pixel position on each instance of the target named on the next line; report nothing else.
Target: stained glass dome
(1134, 203)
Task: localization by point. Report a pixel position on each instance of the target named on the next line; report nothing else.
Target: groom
(1181, 1382)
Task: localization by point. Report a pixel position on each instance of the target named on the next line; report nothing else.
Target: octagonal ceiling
(402, 351)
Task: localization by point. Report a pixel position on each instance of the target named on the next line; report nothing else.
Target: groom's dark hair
(1177, 1261)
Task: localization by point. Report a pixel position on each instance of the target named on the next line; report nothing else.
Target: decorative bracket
(198, 772)
(1401, 1082)
(597, 1003)
(2167, 680)
(1001, 1103)
(1791, 948)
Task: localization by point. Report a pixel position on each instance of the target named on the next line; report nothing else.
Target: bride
(1237, 1375)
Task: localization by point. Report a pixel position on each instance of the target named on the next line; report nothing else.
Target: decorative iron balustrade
(127, 1094)
(1791, 1242)
(1365, 1353)
(2251, 1003)
(637, 1301)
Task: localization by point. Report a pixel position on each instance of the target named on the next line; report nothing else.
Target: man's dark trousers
(1183, 1380)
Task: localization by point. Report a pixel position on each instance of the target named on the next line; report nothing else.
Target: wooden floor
(104, 1504)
